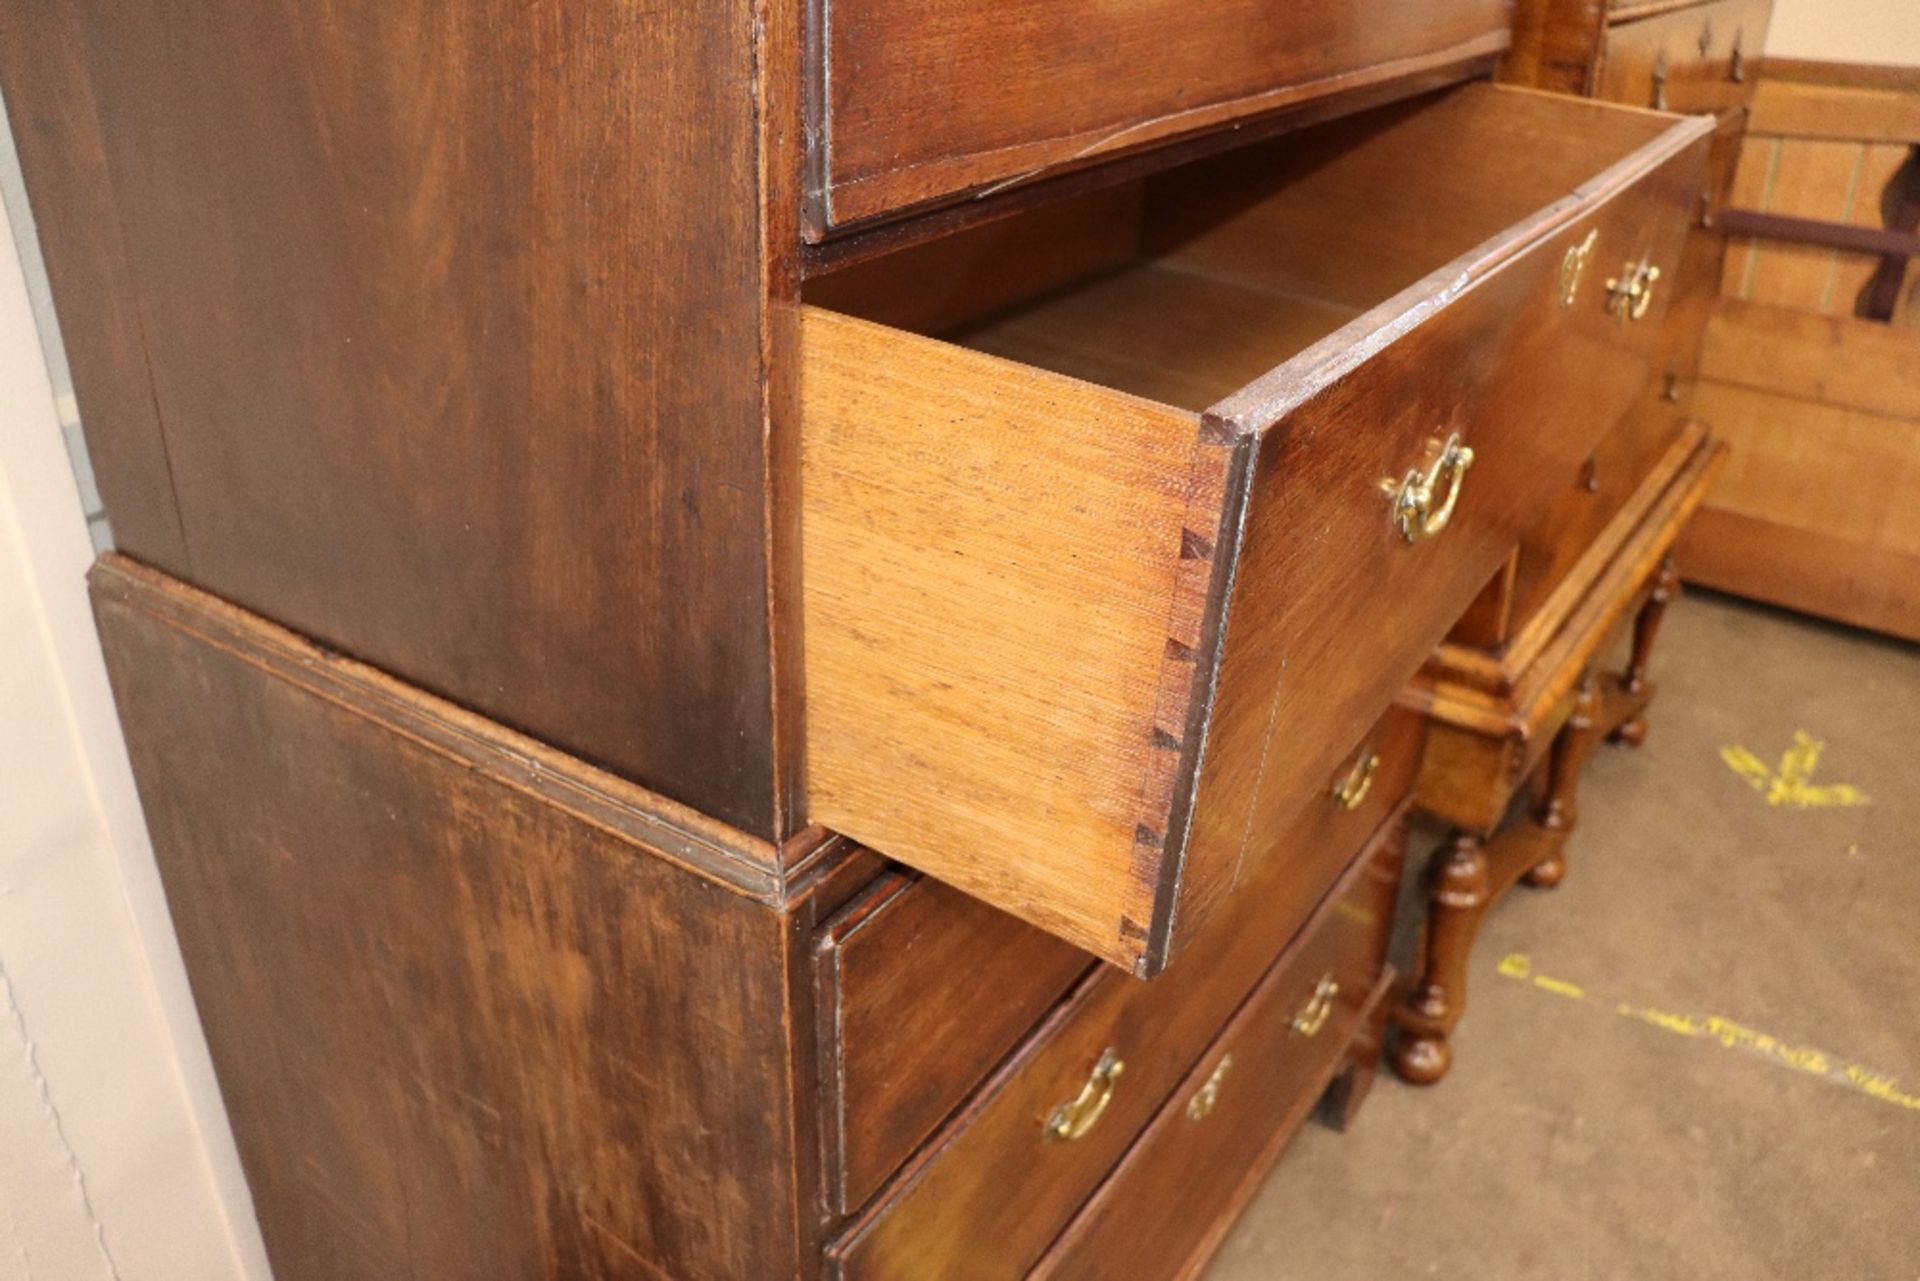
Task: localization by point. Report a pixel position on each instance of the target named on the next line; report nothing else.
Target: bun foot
(1421, 1060)
(1632, 733)
(1547, 873)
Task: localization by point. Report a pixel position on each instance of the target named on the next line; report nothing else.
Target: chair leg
(1559, 804)
(1646, 629)
(1458, 892)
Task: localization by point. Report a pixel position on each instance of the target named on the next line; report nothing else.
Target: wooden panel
(922, 991)
(923, 101)
(1556, 44)
(1698, 59)
(1839, 112)
(467, 1022)
(1006, 757)
(945, 487)
(1884, 167)
(1804, 569)
(1167, 1206)
(1752, 178)
(1808, 180)
(1857, 75)
(53, 108)
(1849, 476)
(437, 330)
(937, 286)
(1836, 360)
(1354, 213)
(994, 1165)
(1629, 10)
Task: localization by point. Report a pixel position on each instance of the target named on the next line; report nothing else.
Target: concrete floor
(1730, 1087)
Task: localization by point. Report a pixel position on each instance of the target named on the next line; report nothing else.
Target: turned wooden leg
(1558, 808)
(1458, 892)
(1646, 628)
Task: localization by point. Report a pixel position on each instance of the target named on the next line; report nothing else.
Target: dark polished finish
(922, 101)
(921, 991)
(386, 328)
(479, 1010)
(994, 1165)
(463, 1029)
(532, 589)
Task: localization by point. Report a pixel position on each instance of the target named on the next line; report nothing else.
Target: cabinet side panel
(451, 317)
(461, 1032)
(50, 104)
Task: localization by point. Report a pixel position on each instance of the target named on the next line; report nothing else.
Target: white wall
(116, 1163)
(1880, 31)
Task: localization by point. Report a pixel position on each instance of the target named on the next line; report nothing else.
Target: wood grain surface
(946, 487)
(921, 101)
(1009, 759)
(993, 1165)
(436, 333)
(922, 990)
(1706, 56)
(1168, 1204)
(463, 1028)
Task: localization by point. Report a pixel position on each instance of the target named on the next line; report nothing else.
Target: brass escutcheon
(1414, 513)
(1630, 296)
(1073, 1120)
(1204, 1099)
(1353, 789)
(1318, 1009)
(1574, 266)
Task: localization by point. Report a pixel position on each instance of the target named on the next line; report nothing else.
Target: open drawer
(1123, 520)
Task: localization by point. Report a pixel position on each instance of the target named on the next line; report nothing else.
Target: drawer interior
(1187, 286)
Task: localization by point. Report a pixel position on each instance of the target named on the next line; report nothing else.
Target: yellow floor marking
(1728, 1034)
(1792, 783)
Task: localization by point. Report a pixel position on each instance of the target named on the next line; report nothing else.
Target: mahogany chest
(761, 640)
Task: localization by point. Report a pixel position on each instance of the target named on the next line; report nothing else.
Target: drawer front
(923, 101)
(1696, 60)
(1634, 448)
(995, 1165)
(921, 990)
(1333, 608)
(1168, 1203)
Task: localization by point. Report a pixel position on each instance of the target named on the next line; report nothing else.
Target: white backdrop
(1884, 31)
(116, 1161)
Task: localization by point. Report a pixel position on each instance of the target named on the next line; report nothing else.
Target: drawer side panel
(1006, 578)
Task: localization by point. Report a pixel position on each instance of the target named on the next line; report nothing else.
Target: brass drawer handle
(1737, 64)
(1073, 1120)
(1318, 1009)
(1204, 1099)
(1574, 266)
(1660, 82)
(1630, 296)
(1413, 510)
(1353, 789)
